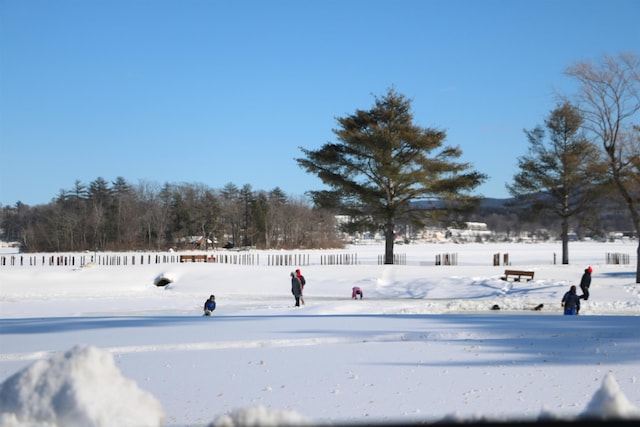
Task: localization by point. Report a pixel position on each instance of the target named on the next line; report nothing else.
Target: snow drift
(79, 388)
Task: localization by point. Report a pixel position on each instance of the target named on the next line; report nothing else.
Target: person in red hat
(302, 283)
(296, 288)
(585, 282)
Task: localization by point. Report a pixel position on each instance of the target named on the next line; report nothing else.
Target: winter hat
(298, 271)
(589, 269)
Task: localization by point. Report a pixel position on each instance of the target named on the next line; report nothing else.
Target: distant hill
(506, 215)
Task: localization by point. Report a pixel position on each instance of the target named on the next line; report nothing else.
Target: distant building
(474, 231)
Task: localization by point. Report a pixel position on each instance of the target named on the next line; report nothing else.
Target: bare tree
(609, 100)
(127, 223)
(231, 212)
(152, 202)
(207, 215)
(275, 217)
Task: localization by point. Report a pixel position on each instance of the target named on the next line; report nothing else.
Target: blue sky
(215, 92)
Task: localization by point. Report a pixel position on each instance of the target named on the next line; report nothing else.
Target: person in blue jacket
(571, 302)
(210, 305)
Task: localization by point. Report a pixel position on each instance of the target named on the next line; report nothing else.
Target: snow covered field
(102, 345)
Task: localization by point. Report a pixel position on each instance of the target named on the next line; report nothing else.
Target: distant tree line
(119, 215)
(150, 216)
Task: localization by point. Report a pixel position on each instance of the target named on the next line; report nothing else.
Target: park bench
(193, 258)
(517, 275)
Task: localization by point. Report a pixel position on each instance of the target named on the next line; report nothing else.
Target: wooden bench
(519, 274)
(193, 258)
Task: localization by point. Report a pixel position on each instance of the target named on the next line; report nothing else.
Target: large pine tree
(383, 162)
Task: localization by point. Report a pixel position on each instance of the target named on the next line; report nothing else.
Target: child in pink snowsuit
(357, 291)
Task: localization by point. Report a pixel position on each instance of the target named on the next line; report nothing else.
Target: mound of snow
(610, 403)
(82, 387)
(260, 416)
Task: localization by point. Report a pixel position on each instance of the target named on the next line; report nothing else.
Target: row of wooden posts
(114, 259)
(290, 259)
(496, 259)
(617, 258)
(80, 260)
(447, 259)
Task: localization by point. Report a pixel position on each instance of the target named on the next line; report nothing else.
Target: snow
(101, 345)
(82, 387)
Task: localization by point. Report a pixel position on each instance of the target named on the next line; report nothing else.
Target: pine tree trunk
(389, 237)
(638, 262)
(565, 240)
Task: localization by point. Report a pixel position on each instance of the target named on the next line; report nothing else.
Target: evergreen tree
(560, 173)
(382, 162)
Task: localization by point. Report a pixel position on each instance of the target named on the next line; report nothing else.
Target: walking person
(571, 302)
(302, 283)
(296, 288)
(585, 282)
(210, 305)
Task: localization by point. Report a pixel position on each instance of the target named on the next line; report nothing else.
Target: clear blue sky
(215, 92)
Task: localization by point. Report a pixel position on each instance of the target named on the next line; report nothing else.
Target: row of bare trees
(150, 216)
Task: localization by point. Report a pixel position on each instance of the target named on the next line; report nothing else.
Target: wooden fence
(496, 259)
(241, 258)
(277, 259)
(288, 259)
(398, 259)
(447, 259)
(617, 258)
(339, 259)
(79, 260)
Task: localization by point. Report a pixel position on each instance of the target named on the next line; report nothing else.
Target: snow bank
(81, 387)
(609, 402)
(260, 416)
(84, 388)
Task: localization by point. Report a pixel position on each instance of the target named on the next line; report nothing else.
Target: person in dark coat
(296, 288)
(210, 305)
(585, 282)
(571, 302)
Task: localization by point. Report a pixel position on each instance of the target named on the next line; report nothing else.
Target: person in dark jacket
(210, 305)
(585, 282)
(296, 288)
(571, 302)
